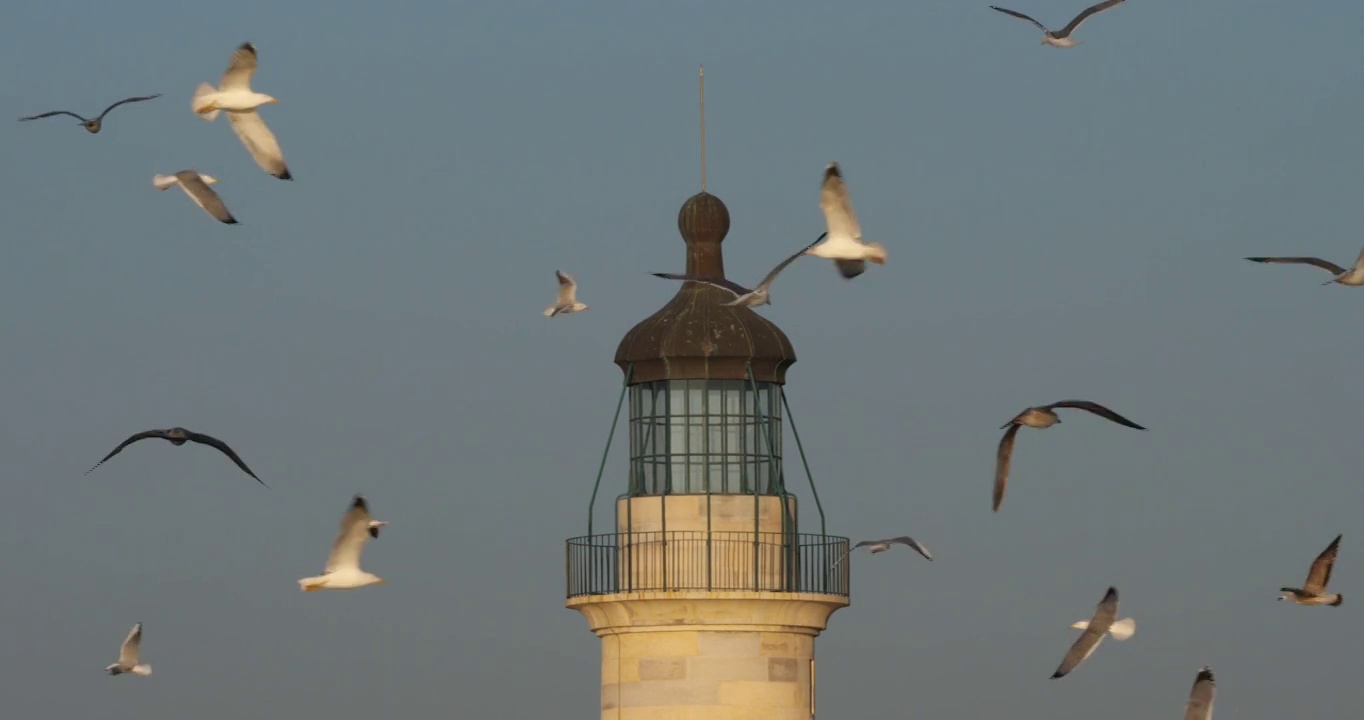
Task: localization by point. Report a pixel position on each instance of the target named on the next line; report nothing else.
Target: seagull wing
(1002, 458)
(1089, 639)
(837, 207)
(139, 436)
(1097, 409)
(128, 652)
(1320, 574)
(1201, 696)
(911, 542)
(204, 196)
(1018, 14)
(239, 69)
(54, 112)
(1359, 261)
(224, 449)
(568, 289)
(258, 139)
(865, 543)
(350, 539)
(767, 281)
(1328, 266)
(1085, 14)
(722, 283)
(127, 100)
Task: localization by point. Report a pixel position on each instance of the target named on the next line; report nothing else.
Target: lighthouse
(706, 594)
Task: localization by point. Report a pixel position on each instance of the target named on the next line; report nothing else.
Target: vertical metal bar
(629, 370)
(818, 506)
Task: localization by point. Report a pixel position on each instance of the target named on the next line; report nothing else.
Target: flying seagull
(567, 302)
(844, 245)
(1094, 630)
(1041, 417)
(760, 295)
(128, 655)
(196, 186)
(1061, 38)
(884, 545)
(179, 436)
(1345, 276)
(1313, 592)
(93, 126)
(343, 564)
(235, 96)
(1202, 694)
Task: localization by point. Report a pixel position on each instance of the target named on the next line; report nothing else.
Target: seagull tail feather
(202, 103)
(161, 182)
(142, 669)
(1123, 629)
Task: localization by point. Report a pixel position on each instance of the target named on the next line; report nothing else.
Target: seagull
(1313, 592)
(343, 564)
(1061, 38)
(760, 295)
(128, 655)
(844, 246)
(1202, 694)
(179, 436)
(93, 126)
(884, 545)
(1094, 630)
(234, 95)
(196, 186)
(1041, 417)
(568, 297)
(1352, 276)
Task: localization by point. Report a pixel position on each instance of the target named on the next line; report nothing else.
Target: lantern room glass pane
(705, 436)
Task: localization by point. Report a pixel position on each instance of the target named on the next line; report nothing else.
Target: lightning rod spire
(702, 76)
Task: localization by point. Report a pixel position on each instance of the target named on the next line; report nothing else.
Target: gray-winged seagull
(1041, 417)
(93, 126)
(844, 235)
(235, 97)
(1094, 630)
(128, 655)
(1061, 38)
(567, 300)
(759, 295)
(1201, 696)
(196, 186)
(1313, 592)
(884, 544)
(179, 436)
(342, 570)
(1344, 276)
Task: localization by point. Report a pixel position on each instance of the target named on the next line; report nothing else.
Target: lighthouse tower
(706, 595)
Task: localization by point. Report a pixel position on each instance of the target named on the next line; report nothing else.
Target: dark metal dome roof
(694, 336)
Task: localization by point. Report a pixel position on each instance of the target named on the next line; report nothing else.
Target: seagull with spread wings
(1201, 696)
(128, 655)
(567, 301)
(1353, 276)
(1041, 417)
(1095, 629)
(179, 436)
(91, 125)
(196, 186)
(235, 97)
(746, 297)
(1061, 38)
(1313, 592)
(884, 544)
(342, 570)
(844, 235)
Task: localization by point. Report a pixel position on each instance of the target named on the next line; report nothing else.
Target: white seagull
(844, 244)
(1352, 276)
(128, 655)
(883, 545)
(567, 302)
(1201, 696)
(760, 295)
(235, 96)
(343, 565)
(196, 186)
(1061, 38)
(1094, 630)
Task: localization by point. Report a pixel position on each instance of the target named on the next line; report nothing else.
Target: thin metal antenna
(702, 75)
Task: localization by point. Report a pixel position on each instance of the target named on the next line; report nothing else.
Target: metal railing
(698, 560)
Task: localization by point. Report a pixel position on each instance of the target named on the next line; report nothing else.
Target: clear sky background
(1060, 224)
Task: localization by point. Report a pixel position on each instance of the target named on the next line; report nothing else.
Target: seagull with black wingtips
(1313, 592)
(1201, 696)
(745, 297)
(1041, 417)
(843, 243)
(1353, 276)
(1094, 631)
(1061, 38)
(567, 299)
(91, 125)
(884, 544)
(179, 436)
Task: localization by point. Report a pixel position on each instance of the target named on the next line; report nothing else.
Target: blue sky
(1060, 224)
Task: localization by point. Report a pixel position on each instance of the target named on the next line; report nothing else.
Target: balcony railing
(698, 560)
